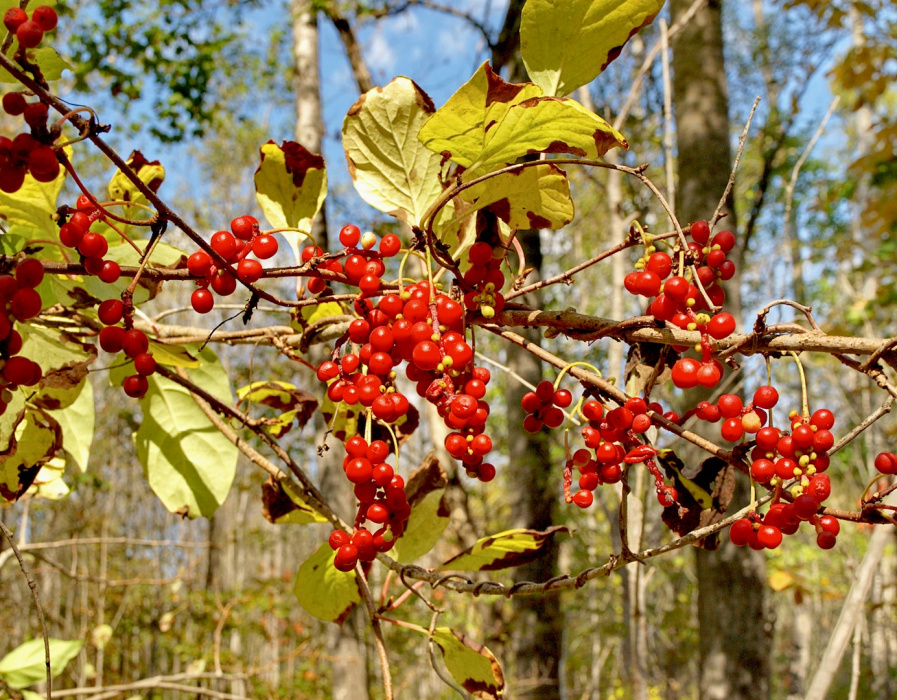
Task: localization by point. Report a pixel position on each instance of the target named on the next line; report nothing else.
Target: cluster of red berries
(485, 279)
(30, 32)
(784, 519)
(778, 458)
(544, 406)
(363, 266)
(886, 463)
(737, 418)
(92, 246)
(613, 435)
(134, 343)
(19, 301)
(234, 246)
(382, 501)
(678, 299)
(27, 153)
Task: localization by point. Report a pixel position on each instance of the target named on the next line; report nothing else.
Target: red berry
(886, 462)
(45, 17)
(823, 418)
(830, 524)
(110, 311)
(390, 245)
(224, 283)
(338, 538)
(199, 264)
(14, 18)
(245, 227)
(725, 240)
(766, 397)
(732, 430)
(29, 273)
(135, 386)
(721, 326)
(224, 243)
(145, 364)
(480, 253)
(25, 303)
(685, 372)
(700, 232)
(134, 343)
(583, 498)
(349, 235)
(769, 536)
(29, 34)
(14, 103)
(111, 338)
(826, 540)
(249, 270)
(741, 531)
(264, 247)
(70, 235)
(93, 245)
(730, 405)
(202, 301)
(109, 272)
(660, 264)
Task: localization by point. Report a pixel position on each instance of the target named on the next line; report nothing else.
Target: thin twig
(40, 610)
(717, 215)
(378, 631)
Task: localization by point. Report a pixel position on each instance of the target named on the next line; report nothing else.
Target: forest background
(200, 85)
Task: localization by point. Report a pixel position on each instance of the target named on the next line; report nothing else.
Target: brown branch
(378, 631)
(352, 47)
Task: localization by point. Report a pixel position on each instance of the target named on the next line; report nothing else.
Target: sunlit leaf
(534, 197)
(324, 592)
(471, 664)
(190, 465)
(502, 551)
(121, 189)
(77, 424)
(26, 664)
(430, 512)
(391, 169)
(290, 186)
(566, 43)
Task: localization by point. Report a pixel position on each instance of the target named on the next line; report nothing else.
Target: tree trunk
(536, 633)
(734, 658)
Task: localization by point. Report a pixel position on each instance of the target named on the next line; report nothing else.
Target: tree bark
(734, 659)
(537, 627)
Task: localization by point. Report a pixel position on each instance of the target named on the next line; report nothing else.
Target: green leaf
(77, 424)
(502, 551)
(546, 125)
(290, 186)
(189, 464)
(282, 505)
(567, 43)
(172, 355)
(534, 197)
(26, 664)
(471, 664)
(430, 512)
(32, 207)
(458, 128)
(391, 169)
(324, 592)
(151, 173)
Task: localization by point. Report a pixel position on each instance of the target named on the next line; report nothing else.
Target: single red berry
(145, 364)
(826, 540)
(134, 343)
(199, 264)
(583, 498)
(264, 247)
(29, 34)
(766, 397)
(111, 338)
(349, 235)
(224, 283)
(480, 253)
(725, 240)
(685, 372)
(722, 325)
(823, 419)
(110, 311)
(769, 536)
(660, 263)
(886, 463)
(25, 304)
(93, 245)
(245, 227)
(202, 301)
(741, 530)
(830, 524)
(249, 270)
(29, 273)
(135, 386)
(110, 272)
(14, 18)
(224, 243)
(46, 17)
(14, 103)
(732, 430)
(70, 236)
(390, 245)
(700, 232)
